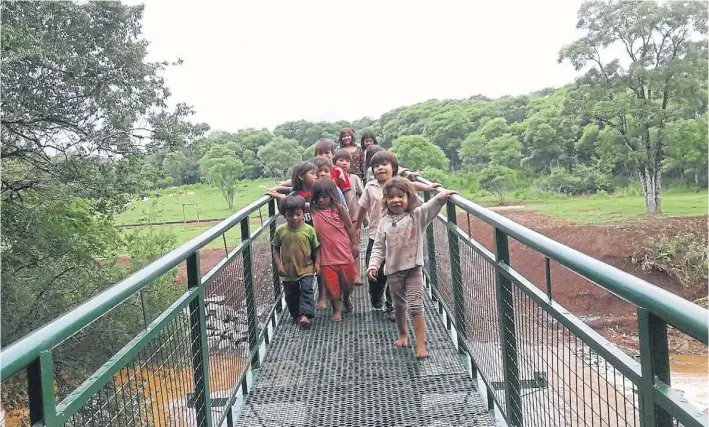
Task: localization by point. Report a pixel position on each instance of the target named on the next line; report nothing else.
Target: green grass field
(612, 209)
(200, 200)
(211, 205)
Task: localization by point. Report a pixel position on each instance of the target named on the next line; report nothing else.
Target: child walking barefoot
(399, 241)
(297, 255)
(340, 246)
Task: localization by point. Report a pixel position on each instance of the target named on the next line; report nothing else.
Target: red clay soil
(208, 258)
(613, 244)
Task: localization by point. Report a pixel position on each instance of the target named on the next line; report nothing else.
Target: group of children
(325, 205)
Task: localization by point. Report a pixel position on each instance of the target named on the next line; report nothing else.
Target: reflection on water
(690, 375)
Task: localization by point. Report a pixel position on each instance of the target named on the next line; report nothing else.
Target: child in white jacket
(399, 242)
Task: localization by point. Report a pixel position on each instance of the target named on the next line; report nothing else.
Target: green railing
(540, 364)
(186, 367)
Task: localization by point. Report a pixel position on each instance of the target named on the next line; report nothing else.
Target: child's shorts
(337, 278)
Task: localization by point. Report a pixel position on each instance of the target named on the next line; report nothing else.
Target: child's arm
(425, 187)
(317, 260)
(430, 209)
(276, 195)
(315, 247)
(283, 189)
(277, 260)
(351, 231)
(361, 214)
(377, 256)
(343, 199)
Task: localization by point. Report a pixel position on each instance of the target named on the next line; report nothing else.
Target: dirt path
(613, 244)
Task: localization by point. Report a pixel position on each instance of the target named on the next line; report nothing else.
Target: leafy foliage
(417, 152)
(498, 180)
(683, 257)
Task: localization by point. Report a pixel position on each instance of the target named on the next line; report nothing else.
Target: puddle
(690, 375)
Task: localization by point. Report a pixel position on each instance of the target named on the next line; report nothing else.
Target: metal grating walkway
(351, 374)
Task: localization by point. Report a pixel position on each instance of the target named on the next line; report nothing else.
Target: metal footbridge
(225, 353)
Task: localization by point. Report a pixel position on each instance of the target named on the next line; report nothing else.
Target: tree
(634, 101)
(687, 142)
(279, 155)
(416, 152)
(224, 172)
(80, 104)
(505, 150)
(498, 180)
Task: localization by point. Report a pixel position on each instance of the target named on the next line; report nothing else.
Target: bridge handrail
(27, 349)
(673, 309)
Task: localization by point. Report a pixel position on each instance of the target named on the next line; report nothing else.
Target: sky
(261, 63)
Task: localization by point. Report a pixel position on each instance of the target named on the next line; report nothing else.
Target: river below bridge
(690, 375)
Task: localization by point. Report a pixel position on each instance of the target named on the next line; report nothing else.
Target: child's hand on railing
(275, 194)
(443, 196)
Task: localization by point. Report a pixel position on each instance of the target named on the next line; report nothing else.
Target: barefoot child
(325, 168)
(297, 256)
(399, 241)
(384, 166)
(340, 246)
(304, 177)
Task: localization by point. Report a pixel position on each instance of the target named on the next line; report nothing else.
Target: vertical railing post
(456, 277)
(40, 387)
(431, 244)
(655, 364)
(508, 334)
(251, 311)
(271, 235)
(200, 350)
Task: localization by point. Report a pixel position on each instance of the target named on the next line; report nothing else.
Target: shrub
(683, 257)
(583, 180)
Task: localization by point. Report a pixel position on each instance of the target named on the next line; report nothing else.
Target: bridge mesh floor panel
(351, 374)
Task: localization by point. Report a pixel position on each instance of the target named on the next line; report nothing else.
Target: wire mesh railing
(185, 366)
(188, 365)
(542, 365)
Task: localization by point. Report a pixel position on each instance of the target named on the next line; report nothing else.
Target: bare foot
(403, 341)
(304, 322)
(322, 304)
(347, 303)
(421, 352)
(336, 317)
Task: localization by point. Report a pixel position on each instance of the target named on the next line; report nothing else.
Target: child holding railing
(399, 241)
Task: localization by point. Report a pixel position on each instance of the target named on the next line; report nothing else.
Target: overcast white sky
(261, 63)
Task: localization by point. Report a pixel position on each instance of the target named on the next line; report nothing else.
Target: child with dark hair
(399, 242)
(371, 151)
(384, 166)
(324, 149)
(342, 159)
(297, 258)
(340, 246)
(369, 139)
(346, 140)
(303, 177)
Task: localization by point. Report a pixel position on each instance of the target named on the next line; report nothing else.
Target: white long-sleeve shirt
(399, 238)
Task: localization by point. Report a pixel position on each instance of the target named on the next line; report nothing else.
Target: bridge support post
(40, 388)
(271, 235)
(456, 277)
(508, 333)
(431, 245)
(251, 310)
(200, 350)
(655, 363)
